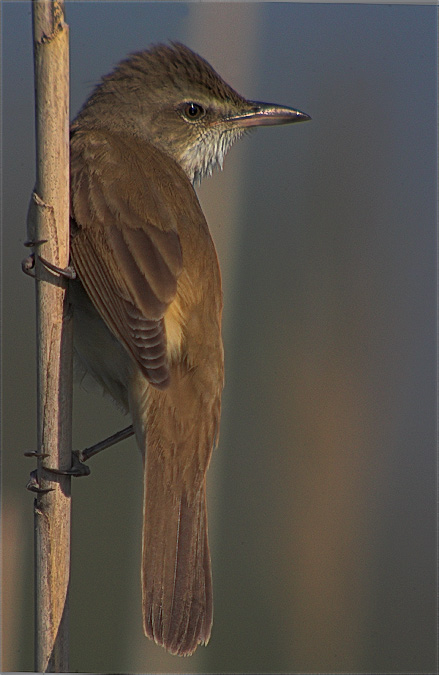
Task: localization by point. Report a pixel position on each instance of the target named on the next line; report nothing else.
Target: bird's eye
(193, 111)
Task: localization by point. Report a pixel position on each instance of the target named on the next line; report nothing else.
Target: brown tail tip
(178, 644)
(177, 584)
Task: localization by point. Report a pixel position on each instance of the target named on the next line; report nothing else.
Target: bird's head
(173, 98)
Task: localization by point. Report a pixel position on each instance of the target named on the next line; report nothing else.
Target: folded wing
(125, 245)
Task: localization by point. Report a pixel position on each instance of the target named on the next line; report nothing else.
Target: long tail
(176, 570)
(176, 574)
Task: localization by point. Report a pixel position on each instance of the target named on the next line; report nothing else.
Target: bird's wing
(125, 246)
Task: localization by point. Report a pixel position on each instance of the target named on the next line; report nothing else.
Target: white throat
(207, 153)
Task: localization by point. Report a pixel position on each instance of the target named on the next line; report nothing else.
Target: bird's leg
(84, 455)
(78, 467)
(68, 272)
(28, 263)
(34, 485)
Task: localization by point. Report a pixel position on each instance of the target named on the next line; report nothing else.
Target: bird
(147, 299)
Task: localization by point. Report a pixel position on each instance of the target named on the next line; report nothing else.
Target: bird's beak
(263, 114)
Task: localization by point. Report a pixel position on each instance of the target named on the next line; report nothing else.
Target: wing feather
(125, 245)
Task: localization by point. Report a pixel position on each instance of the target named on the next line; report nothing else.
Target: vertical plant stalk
(49, 220)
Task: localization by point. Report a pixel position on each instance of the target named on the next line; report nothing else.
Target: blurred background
(322, 492)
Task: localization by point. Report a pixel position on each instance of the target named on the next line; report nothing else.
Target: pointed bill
(265, 114)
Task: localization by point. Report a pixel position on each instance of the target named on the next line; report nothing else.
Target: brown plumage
(148, 326)
(129, 259)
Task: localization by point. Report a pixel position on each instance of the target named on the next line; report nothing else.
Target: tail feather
(176, 570)
(178, 428)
